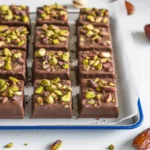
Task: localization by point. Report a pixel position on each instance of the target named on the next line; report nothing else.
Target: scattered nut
(130, 8)
(9, 145)
(79, 3)
(56, 145)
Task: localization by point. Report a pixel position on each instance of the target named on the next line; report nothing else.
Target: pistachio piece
(53, 61)
(56, 80)
(59, 85)
(89, 33)
(66, 97)
(39, 100)
(60, 53)
(65, 66)
(3, 87)
(86, 67)
(39, 89)
(65, 56)
(44, 26)
(50, 100)
(49, 33)
(6, 52)
(96, 38)
(9, 145)
(13, 37)
(105, 54)
(95, 57)
(3, 28)
(40, 53)
(51, 87)
(53, 27)
(85, 61)
(98, 19)
(25, 19)
(8, 17)
(8, 40)
(18, 93)
(17, 55)
(2, 63)
(58, 92)
(90, 18)
(98, 96)
(91, 62)
(4, 8)
(96, 30)
(64, 87)
(8, 65)
(82, 39)
(91, 101)
(43, 15)
(96, 80)
(55, 41)
(61, 38)
(90, 94)
(96, 63)
(45, 82)
(88, 27)
(64, 33)
(21, 43)
(112, 84)
(14, 88)
(108, 98)
(56, 145)
(10, 93)
(2, 43)
(13, 79)
(62, 13)
(105, 20)
(99, 66)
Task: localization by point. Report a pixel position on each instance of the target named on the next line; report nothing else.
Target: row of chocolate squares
(48, 64)
(53, 98)
(55, 14)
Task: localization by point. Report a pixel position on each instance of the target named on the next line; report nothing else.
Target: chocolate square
(98, 98)
(97, 17)
(15, 15)
(52, 99)
(52, 14)
(13, 37)
(90, 37)
(49, 64)
(11, 98)
(13, 63)
(52, 37)
(96, 64)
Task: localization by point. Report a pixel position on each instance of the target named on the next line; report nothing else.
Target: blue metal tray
(137, 122)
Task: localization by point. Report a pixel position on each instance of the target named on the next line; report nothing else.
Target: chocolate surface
(52, 37)
(11, 98)
(90, 37)
(13, 37)
(52, 99)
(98, 98)
(15, 15)
(96, 64)
(52, 14)
(97, 17)
(12, 63)
(51, 64)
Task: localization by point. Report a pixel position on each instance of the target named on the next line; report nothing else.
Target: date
(142, 140)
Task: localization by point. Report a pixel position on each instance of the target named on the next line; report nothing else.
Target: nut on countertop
(79, 3)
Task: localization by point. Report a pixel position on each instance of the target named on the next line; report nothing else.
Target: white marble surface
(97, 140)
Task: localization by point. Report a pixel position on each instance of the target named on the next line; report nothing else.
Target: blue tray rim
(128, 127)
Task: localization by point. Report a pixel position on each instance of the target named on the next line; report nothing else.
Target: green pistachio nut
(43, 15)
(13, 37)
(58, 92)
(8, 40)
(64, 33)
(89, 33)
(66, 97)
(55, 41)
(105, 20)
(65, 56)
(2, 82)
(88, 27)
(40, 53)
(60, 53)
(18, 93)
(95, 57)
(3, 87)
(21, 43)
(53, 27)
(96, 30)
(17, 55)
(90, 18)
(99, 19)
(65, 66)
(50, 100)
(64, 87)
(61, 38)
(10, 93)
(45, 82)
(8, 65)
(53, 61)
(112, 84)
(4, 8)
(9, 15)
(85, 61)
(13, 79)
(51, 87)
(14, 88)
(3, 28)
(57, 31)
(62, 13)
(96, 80)
(25, 19)
(39, 89)
(7, 52)
(49, 33)
(96, 63)
(56, 80)
(39, 100)
(86, 67)
(59, 85)
(98, 96)
(90, 94)
(2, 43)
(91, 101)
(99, 66)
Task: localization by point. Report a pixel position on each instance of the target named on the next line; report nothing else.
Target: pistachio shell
(57, 31)
(66, 97)
(65, 66)
(61, 38)
(90, 18)
(3, 87)
(65, 56)
(14, 88)
(10, 93)
(50, 100)
(17, 55)
(58, 92)
(64, 33)
(40, 53)
(13, 79)
(56, 80)
(4, 8)
(39, 89)
(88, 27)
(18, 93)
(45, 82)
(8, 65)
(55, 41)
(6, 52)
(39, 100)
(90, 94)
(51, 87)
(53, 61)
(25, 19)
(86, 67)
